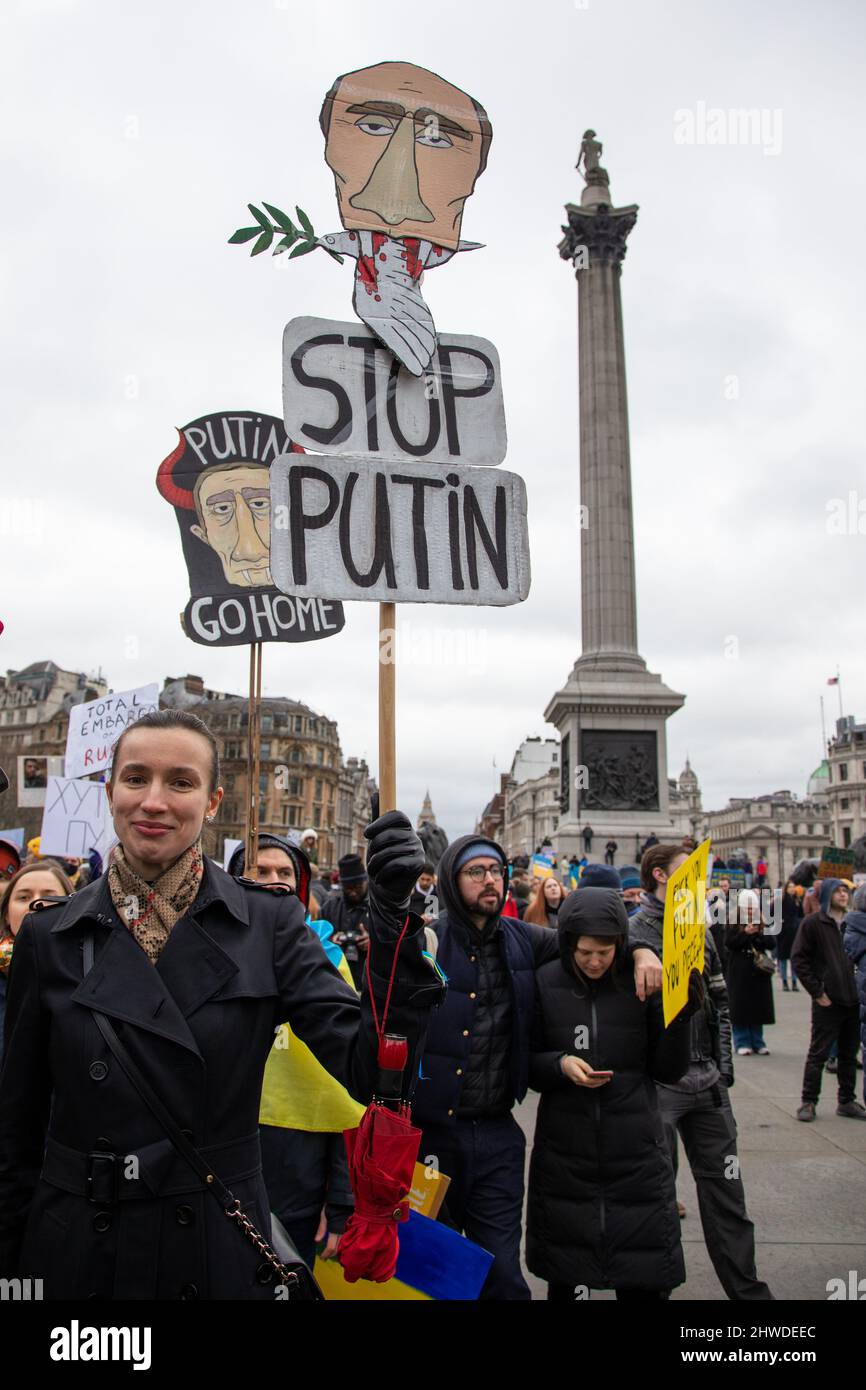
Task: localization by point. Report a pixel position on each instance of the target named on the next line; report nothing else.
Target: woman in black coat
(750, 989)
(602, 1207)
(195, 971)
(792, 916)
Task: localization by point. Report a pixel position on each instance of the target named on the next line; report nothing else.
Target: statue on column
(590, 155)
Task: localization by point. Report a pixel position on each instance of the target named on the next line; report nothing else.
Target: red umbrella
(382, 1154)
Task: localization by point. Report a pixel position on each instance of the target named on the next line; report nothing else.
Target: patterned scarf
(6, 954)
(150, 910)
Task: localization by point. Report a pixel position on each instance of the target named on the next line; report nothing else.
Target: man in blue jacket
(476, 1061)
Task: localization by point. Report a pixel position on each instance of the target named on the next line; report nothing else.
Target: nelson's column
(611, 712)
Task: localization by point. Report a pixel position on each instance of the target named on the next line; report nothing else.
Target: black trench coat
(750, 990)
(200, 1026)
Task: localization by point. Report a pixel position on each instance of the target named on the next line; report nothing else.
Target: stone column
(595, 242)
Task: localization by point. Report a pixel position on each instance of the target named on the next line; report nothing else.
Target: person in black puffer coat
(602, 1207)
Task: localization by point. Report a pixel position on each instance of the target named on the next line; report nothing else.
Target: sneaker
(785, 986)
(806, 1111)
(744, 1052)
(795, 988)
(852, 1110)
(833, 1065)
(763, 1051)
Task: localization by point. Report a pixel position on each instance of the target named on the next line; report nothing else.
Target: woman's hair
(173, 719)
(38, 866)
(538, 908)
(657, 857)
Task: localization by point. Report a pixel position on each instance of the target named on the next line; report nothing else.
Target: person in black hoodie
(476, 1061)
(602, 1208)
(827, 972)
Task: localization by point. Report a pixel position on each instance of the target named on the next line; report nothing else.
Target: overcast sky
(134, 135)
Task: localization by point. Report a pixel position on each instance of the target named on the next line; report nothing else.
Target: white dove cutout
(388, 295)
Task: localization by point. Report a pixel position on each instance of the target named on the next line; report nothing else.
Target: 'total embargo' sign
(406, 533)
(346, 394)
(95, 727)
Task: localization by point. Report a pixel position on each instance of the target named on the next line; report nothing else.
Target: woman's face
(39, 884)
(160, 796)
(553, 892)
(594, 955)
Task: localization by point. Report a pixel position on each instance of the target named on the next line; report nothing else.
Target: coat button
(466, 1032)
(472, 995)
(264, 1274)
(102, 1221)
(450, 1112)
(459, 1071)
(187, 1134)
(105, 1144)
(185, 1216)
(98, 1071)
(188, 1293)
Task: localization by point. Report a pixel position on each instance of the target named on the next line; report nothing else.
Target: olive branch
(298, 241)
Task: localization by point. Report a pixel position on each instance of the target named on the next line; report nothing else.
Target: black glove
(394, 861)
(728, 1078)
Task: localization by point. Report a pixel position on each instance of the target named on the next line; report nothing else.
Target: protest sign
(95, 727)
(406, 149)
(542, 866)
(836, 863)
(218, 481)
(398, 532)
(684, 930)
(76, 819)
(345, 394)
(34, 771)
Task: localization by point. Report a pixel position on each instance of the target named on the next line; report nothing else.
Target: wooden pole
(253, 760)
(387, 707)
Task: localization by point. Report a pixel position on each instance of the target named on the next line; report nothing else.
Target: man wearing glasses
(476, 1061)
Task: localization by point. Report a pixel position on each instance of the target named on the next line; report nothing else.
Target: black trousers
(706, 1123)
(832, 1023)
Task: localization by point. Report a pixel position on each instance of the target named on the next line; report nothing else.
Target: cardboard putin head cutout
(218, 481)
(406, 148)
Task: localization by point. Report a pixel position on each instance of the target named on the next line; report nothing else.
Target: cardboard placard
(76, 819)
(403, 533)
(836, 863)
(344, 394)
(34, 770)
(685, 926)
(95, 727)
(218, 481)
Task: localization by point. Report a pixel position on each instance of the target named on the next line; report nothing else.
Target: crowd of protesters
(553, 983)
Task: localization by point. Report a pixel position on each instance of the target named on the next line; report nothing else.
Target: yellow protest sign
(684, 929)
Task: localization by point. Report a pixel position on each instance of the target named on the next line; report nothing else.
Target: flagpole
(823, 733)
(839, 688)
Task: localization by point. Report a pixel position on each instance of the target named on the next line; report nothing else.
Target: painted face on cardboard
(406, 148)
(234, 511)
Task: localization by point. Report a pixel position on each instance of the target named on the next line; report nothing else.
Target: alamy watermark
(713, 125)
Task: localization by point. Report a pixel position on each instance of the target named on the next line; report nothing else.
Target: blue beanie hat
(600, 876)
(476, 850)
(629, 876)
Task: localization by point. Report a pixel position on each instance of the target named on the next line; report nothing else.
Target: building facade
(303, 780)
(846, 782)
(532, 796)
(779, 827)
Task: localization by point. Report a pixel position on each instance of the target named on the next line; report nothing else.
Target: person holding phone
(602, 1207)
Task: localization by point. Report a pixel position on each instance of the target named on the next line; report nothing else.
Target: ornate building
(684, 798)
(846, 781)
(303, 779)
(491, 822)
(532, 805)
(779, 828)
